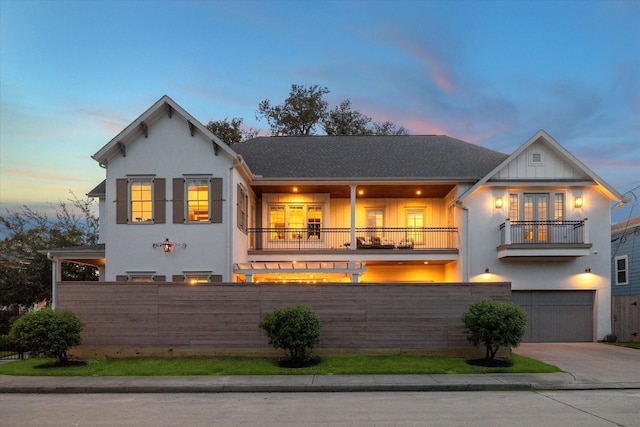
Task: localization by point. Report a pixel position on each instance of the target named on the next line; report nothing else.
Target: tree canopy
(231, 131)
(25, 274)
(305, 112)
(300, 113)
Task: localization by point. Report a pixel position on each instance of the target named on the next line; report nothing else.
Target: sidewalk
(301, 383)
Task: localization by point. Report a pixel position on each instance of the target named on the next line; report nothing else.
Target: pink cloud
(39, 175)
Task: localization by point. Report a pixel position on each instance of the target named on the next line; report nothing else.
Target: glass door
(536, 215)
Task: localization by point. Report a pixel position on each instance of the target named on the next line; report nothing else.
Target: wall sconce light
(499, 203)
(487, 271)
(587, 270)
(578, 202)
(168, 246)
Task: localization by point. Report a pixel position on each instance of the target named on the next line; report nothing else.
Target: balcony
(316, 239)
(544, 239)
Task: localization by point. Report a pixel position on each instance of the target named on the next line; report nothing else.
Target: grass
(628, 344)
(219, 366)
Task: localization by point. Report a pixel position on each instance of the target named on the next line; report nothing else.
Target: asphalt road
(554, 408)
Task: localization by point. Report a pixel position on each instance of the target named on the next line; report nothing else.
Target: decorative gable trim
(140, 126)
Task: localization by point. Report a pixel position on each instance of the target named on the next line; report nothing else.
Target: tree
(47, 332)
(344, 121)
(231, 131)
(25, 274)
(300, 113)
(495, 324)
(388, 128)
(295, 328)
(305, 109)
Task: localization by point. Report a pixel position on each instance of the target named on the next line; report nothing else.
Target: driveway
(589, 363)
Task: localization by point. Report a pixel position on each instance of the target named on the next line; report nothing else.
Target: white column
(507, 231)
(586, 231)
(354, 245)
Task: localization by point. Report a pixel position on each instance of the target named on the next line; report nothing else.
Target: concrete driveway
(589, 363)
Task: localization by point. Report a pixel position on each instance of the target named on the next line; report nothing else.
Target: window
(514, 211)
(197, 199)
(296, 222)
(300, 222)
(415, 221)
(314, 222)
(140, 200)
(621, 270)
(535, 158)
(558, 207)
(140, 277)
(243, 205)
(276, 222)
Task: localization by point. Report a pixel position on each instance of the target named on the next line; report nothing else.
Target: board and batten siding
(550, 166)
(125, 319)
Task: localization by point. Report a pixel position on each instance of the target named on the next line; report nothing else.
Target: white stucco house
(178, 204)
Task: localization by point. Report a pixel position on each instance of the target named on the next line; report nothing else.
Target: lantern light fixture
(167, 246)
(499, 203)
(578, 202)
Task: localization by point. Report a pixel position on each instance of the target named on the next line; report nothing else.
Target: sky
(73, 74)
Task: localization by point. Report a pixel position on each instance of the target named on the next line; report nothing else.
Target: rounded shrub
(295, 329)
(47, 332)
(495, 324)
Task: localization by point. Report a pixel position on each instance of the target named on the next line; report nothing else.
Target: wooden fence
(625, 314)
(126, 319)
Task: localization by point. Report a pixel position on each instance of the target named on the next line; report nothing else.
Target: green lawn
(628, 344)
(332, 365)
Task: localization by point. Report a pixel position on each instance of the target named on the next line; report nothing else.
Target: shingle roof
(622, 226)
(333, 157)
(99, 190)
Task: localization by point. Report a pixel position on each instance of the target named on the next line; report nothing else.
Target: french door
(536, 217)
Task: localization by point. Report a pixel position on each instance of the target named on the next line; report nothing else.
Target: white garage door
(557, 316)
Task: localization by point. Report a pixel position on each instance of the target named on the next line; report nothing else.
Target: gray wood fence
(125, 319)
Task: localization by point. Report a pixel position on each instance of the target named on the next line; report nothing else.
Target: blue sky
(75, 73)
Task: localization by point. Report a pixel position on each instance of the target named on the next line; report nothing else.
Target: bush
(47, 332)
(5, 343)
(495, 324)
(295, 328)
(611, 338)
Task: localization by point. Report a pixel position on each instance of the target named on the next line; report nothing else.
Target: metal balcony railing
(316, 238)
(554, 232)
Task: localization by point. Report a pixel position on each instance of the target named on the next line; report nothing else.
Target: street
(552, 408)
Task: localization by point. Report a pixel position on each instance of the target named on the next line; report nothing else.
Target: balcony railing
(553, 232)
(316, 238)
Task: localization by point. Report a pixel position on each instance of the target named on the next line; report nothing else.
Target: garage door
(557, 316)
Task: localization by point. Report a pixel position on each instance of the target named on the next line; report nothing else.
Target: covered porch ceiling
(389, 190)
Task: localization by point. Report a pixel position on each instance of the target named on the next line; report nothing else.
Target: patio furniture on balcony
(332, 239)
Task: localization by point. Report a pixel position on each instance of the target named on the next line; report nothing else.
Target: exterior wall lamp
(578, 202)
(499, 203)
(168, 246)
(487, 271)
(587, 270)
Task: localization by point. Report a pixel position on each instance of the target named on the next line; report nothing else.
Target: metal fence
(315, 238)
(558, 232)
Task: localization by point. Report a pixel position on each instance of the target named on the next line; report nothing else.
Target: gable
(542, 159)
(143, 127)
(540, 162)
